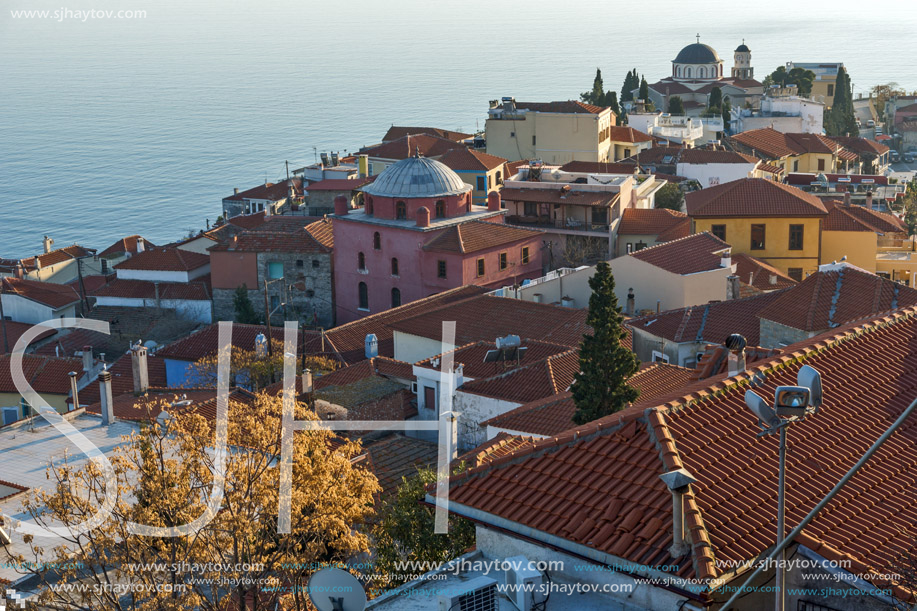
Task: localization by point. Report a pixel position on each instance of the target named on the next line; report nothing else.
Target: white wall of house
(493, 431)
(473, 410)
(412, 348)
(152, 275)
(20, 309)
(652, 284)
(712, 174)
(198, 311)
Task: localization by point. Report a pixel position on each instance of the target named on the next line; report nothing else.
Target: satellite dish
(810, 378)
(767, 417)
(335, 589)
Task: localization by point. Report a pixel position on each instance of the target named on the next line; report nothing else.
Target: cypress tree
(598, 88)
(611, 100)
(600, 387)
(644, 90)
(245, 311)
(676, 106)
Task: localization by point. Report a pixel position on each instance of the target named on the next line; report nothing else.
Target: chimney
(108, 407)
(340, 205)
(307, 380)
(47, 243)
(74, 391)
(371, 348)
(735, 343)
(773, 279)
(423, 217)
(156, 294)
(363, 166)
(630, 308)
(459, 374)
(537, 297)
(87, 358)
(268, 209)
(139, 368)
(235, 190)
(846, 198)
(140, 245)
(449, 420)
(493, 201)
(658, 306)
(678, 482)
(19, 271)
(732, 287)
(869, 199)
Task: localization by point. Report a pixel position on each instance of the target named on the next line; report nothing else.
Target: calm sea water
(113, 127)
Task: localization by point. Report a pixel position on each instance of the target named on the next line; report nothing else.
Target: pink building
(419, 234)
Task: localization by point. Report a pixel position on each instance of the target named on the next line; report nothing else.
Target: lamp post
(791, 404)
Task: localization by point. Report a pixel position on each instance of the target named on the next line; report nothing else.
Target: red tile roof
(712, 322)
(553, 415)
(395, 132)
(380, 366)
(196, 290)
(829, 299)
(248, 221)
(322, 232)
(599, 167)
(573, 197)
(653, 221)
(463, 158)
(568, 107)
(598, 485)
(156, 400)
(472, 357)
(850, 217)
(476, 236)
(46, 374)
(257, 240)
(165, 259)
(502, 444)
(407, 146)
(622, 133)
(760, 274)
(122, 378)
(673, 155)
(269, 191)
(126, 245)
(771, 169)
(340, 184)
(774, 145)
(46, 293)
(758, 197)
(861, 146)
(700, 252)
(14, 331)
(203, 342)
(397, 457)
(529, 382)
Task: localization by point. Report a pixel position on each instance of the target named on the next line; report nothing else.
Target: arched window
(396, 298)
(687, 72)
(678, 72)
(361, 261)
(369, 205)
(394, 266)
(440, 209)
(401, 211)
(364, 296)
(377, 241)
(701, 73)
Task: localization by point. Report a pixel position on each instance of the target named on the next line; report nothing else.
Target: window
(512, 134)
(440, 269)
(299, 263)
(525, 255)
(394, 266)
(440, 209)
(275, 270)
(821, 165)
(480, 267)
(275, 302)
(701, 73)
(659, 357)
(503, 261)
(796, 233)
(533, 139)
(401, 211)
(499, 177)
(361, 262)
(757, 237)
(795, 273)
(626, 153)
(796, 166)
(363, 296)
(600, 216)
(482, 183)
(640, 245)
(719, 231)
(530, 209)
(369, 169)
(830, 90)
(396, 297)
(678, 72)
(369, 205)
(316, 263)
(688, 72)
(377, 241)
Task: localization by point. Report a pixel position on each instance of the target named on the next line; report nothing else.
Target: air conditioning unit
(522, 583)
(479, 594)
(9, 415)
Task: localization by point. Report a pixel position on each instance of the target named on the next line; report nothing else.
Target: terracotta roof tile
(693, 254)
(340, 184)
(472, 357)
(861, 146)
(203, 342)
(165, 259)
(122, 378)
(573, 197)
(15, 330)
(476, 236)
(395, 132)
(149, 405)
(598, 167)
(753, 197)
(851, 217)
(567, 107)
(760, 274)
(379, 366)
(466, 159)
(45, 374)
(529, 382)
(654, 221)
(397, 457)
(622, 133)
(196, 290)
(322, 232)
(273, 192)
(774, 144)
(503, 444)
(126, 245)
(257, 240)
(46, 293)
(407, 146)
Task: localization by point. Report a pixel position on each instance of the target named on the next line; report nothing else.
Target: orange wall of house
(229, 270)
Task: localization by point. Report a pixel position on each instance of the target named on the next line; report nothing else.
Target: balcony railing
(569, 224)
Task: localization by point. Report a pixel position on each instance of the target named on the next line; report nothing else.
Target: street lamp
(791, 404)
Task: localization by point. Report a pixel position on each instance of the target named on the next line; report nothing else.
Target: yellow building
(485, 173)
(627, 142)
(555, 132)
(774, 222)
(48, 376)
(810, 153)
(825, 80)
(874, 241)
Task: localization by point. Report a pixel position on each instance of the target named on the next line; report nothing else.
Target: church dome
(743, 48)
(697, 54)
(417, 177)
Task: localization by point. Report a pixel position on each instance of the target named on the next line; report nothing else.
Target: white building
(677, 129)
(783, 110)
(32, 302)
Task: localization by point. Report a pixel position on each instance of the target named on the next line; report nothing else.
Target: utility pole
(6, 341)
(288, 171)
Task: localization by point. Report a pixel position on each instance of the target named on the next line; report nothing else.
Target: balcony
(545, 222)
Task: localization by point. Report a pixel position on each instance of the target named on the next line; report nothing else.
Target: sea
(142, 124)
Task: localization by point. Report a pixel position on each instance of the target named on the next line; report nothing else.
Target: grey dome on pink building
(417, 177)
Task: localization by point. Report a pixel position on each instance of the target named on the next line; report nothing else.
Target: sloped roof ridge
(670, 243)
(545, 362)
